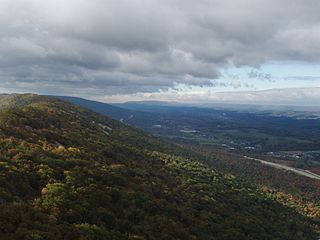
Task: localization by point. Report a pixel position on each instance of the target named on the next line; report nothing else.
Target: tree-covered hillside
(69, 173)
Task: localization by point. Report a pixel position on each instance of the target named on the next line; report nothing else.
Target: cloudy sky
(117, 50)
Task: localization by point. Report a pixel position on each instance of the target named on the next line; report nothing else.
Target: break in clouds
(103, 47)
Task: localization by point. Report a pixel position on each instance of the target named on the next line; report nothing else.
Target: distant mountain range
(269, 97)
(277, 97)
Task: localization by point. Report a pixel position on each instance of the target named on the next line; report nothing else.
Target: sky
(122, 50)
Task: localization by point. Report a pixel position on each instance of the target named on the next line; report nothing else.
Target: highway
(301, 172)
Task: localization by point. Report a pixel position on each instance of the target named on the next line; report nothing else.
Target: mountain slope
(69, 173)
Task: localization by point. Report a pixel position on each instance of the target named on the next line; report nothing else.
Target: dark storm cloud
(109, 46)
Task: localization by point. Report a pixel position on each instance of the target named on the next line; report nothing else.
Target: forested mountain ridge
(69, 173)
